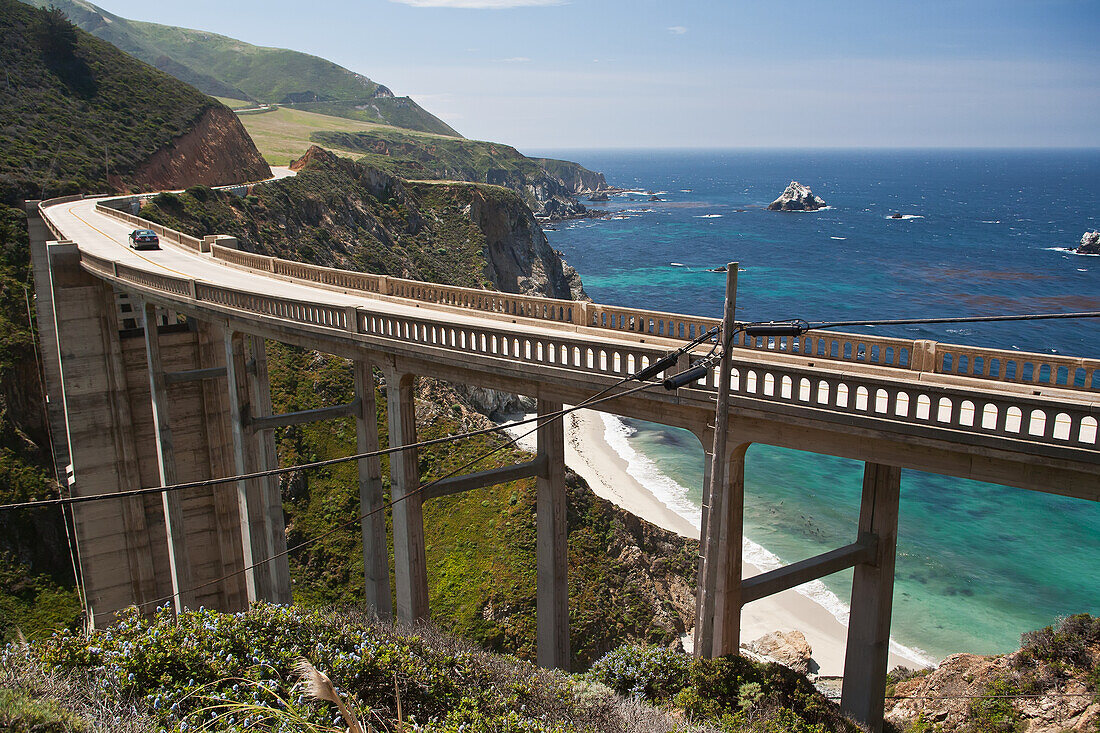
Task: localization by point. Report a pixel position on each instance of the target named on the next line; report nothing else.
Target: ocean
(983, 233)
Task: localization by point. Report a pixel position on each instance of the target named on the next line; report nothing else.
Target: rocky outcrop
(1090, 244)
(518, 256)
(573, 177)
(1048, 686)
(216, 151)
(788, 648)
(797, 198)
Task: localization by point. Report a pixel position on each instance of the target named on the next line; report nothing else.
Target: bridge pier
(867, 654)
(376, 563)
(179, 561)
(409, 554)
(267, 578)
(552, 539)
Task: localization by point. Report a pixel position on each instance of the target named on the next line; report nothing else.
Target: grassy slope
(59, 107)
(227, 67)
(413, 156)
(286, 134)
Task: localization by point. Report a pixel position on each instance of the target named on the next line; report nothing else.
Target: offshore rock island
(797, 197)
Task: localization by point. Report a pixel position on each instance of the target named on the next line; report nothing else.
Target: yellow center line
(131, 250)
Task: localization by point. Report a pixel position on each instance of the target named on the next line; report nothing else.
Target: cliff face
(215, 152)
(519, 259)
(575, 178)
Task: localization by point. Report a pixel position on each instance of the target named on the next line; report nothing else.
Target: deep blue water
(978, 564)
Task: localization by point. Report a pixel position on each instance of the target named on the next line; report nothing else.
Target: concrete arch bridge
(131, 405)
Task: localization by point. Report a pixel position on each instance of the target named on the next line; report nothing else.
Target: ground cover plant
(214, 671)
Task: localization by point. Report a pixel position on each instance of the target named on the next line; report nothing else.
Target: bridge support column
(179, 561)
(376, 564)
(552, 543)
(409, 555)
(267, 578)
(729, 525)
(867, 653)
(267, 459)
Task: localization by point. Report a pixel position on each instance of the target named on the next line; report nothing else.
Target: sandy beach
(606, 472)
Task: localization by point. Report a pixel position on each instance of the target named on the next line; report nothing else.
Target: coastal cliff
(548, 186)
(1051, 684)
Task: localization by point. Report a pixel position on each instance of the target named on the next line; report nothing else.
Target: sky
(544, 74)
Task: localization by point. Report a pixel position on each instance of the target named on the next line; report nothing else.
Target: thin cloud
(514, 60)
(677, 30)
(478, 4)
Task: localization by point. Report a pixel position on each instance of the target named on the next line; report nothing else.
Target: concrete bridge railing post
(552, 553)
(868, 649)
(409, 555)
(376, 564)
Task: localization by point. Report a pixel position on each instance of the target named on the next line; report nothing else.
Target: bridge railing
(919, 355)
(854, 395)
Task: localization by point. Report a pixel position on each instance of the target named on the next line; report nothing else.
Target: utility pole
(712, 509)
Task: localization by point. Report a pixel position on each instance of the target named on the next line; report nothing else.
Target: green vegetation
(338, 213)
(196, 672)
(22, 713)
(732, 691)
(413, 157)
(284, 135)
(71, 107)
(226, 67)
(76, 109)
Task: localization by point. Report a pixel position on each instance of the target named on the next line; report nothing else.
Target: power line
(798, 326)
(656, 367)
(642, 374)
(595, 399)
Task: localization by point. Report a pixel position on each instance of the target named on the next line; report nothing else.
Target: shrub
(645, 672)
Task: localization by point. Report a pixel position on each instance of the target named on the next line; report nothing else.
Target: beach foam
(675, 496)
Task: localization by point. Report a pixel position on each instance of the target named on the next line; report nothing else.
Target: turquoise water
(978, 564)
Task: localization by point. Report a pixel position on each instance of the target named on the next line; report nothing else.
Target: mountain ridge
(223, 66)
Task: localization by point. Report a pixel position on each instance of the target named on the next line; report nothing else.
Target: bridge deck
(1018, 419)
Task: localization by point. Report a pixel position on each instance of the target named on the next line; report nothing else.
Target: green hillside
(545, 184)
(67, 113)
(226, 67)
(73, 105)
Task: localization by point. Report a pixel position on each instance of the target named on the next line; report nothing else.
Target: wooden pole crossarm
(194, 375)
(481, 479)
(271, 422)
(827, 563)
